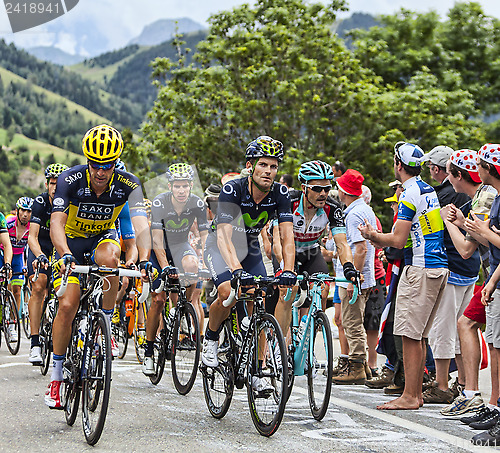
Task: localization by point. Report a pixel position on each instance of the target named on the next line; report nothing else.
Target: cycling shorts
(17, 268)
(31, 258)
(311, 261)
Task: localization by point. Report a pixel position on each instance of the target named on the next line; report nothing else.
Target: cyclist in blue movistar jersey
(87, 202)
(173, 214)
(40, 248)
(232, 251)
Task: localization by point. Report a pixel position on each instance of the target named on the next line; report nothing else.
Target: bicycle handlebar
(202, 274)
(102, 272)
(258, 282)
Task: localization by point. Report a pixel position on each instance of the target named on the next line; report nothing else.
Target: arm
(360, 251)
(287, 245)
(142, 236)
(131, 253)
(481, 228)
(266, 243)
(7, 247)
(490, 287)
(397, 238)
(226, 246)
(159, 248)
(278, 252)
(33, 243)
(464, 247)
(343, 250)
(57, 232)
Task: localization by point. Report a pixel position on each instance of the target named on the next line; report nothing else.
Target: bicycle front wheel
(320, 366)
(97, 381)
(186, 347)
(159, 361)
(45, 341)
(267, 376)
(120, 332)
(218, 382)
(140, 332)
(71, 389)
(11, 324)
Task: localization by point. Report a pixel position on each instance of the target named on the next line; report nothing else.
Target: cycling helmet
(120, 165)
(54, 170)
(102, 144)
(24, 203)
(180, 172)
(264, 146)
(315, 169)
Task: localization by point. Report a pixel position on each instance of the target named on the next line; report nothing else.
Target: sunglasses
(98, 166)
(319, 189)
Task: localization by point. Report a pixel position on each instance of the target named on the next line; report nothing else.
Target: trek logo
(95, 211)
(25, 14)
(177, 226)
(250, 222)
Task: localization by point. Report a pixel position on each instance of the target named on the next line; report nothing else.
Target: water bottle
(170, 319)
(81, 333)
(302, 327)
(245, 323)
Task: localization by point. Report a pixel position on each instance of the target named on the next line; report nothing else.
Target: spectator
(286, 180)
(338, 169)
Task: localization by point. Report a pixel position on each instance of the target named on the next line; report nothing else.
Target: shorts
(492, 333)
(81, 246)
(476, 311)
(31, 258)
(336, 297)
(419, 293)
(174, 258)
(311, 261)
(17, 269)
(375, 305)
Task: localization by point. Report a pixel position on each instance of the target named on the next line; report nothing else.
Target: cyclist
(6, 257)
(39, 251)
(87, 202)
(232, 251)
(173, 214)
(18, 226)
(313, 210)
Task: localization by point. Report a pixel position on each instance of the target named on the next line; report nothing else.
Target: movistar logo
(171, 224)
(249, 222)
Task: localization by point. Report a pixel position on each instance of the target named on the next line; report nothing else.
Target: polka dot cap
(490, 153)
(466, 159)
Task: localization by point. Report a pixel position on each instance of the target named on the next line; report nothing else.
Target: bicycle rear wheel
(140, 333)
(45, 341)
(159, 360)
(218, 383)
(71, 389)
(120, 332)
(24, 312)
(11, 325)
(186, 347)
(267, 376)
(319, 372)
(96, 384)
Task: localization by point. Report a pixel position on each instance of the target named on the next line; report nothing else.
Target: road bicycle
(87, 368)
(9, 322)
(310, 351)
(139, 313)
(120, 321)
(179, 339)
(23, 306)
(256, 364)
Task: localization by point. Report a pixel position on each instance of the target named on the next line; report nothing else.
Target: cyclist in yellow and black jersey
(87, 202)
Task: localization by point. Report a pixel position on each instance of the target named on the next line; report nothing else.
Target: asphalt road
(147, 418)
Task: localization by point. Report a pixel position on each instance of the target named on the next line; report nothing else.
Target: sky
(118, 21)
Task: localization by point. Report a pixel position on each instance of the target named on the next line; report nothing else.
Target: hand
(382, 257)
(476, 225)
(67, 260)
(242, 277)
(486, 293)
(130, 264)
(43, 260)
(8, 269)
(366, 230)
(456, 216)
(287, 278)
(146, 269)
(448, 213)
(171, 272)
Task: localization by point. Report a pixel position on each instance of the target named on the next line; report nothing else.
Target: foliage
(113, 57)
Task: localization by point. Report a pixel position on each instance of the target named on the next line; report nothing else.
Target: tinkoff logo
(25, 14)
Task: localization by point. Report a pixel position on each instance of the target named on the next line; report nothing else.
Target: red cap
(351, 182)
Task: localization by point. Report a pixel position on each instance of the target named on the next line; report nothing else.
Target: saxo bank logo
(25, 14)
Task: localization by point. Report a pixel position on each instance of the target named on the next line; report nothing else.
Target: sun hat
(351, 182)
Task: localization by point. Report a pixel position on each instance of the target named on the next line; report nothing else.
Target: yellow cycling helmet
(102, 144)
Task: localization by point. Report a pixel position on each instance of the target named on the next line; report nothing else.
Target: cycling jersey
(176, 227)
(124, 224)
(236, 206)
(307, 236)
(88, 214)
(3, 224)
(419, 204)
(18, 245)
(42, 208)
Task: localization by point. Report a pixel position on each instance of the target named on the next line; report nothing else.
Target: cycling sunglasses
(98, 166)
(319, 189)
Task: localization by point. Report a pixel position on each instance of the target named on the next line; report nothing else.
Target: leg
(471, 351)
(413, 358)
(372, 340)
(495, 389)
(344, 346)
(442, 370)
(283, 311)
(35, 303)
(154, 314)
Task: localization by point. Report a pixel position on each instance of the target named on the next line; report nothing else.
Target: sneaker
(437, 396)
(487, 422)
(394, 389)
(480, 414)
(115, 350)
(277, 355)
(382, 380)
(463, 405)
(262, 387)
(429, 379)
(148, 366)
(457, 388)
(35, 357)
(53, 395)
(490, 438)
(12, 333)
(115, 319)
(209, 353)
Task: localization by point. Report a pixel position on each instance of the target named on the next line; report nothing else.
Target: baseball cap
(409, 154)
(438, 155)
(351, 182)
(395, 183)
(466, 159)
(490, 152)
(392, 199)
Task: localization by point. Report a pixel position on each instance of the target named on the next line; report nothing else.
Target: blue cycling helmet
(25, 203)
(120, 165)
(315, 169)
(264, 146)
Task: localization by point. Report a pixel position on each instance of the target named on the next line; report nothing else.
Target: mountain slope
(165, 29)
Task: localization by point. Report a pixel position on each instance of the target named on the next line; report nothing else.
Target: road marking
(8, 365)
